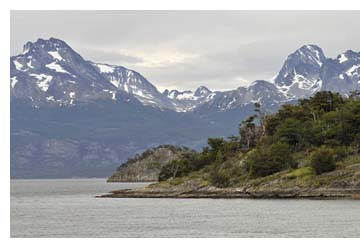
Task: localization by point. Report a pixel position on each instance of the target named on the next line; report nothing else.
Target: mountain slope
(92, 140)
(341, 74)
(133, 83)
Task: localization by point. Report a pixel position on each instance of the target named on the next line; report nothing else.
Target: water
(67, 208)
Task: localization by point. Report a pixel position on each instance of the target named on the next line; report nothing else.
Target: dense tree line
(326, 127)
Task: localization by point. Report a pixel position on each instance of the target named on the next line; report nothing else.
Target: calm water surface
(67, 208)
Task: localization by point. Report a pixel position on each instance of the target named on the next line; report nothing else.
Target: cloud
(111, 56)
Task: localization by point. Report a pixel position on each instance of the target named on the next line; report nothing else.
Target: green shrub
(341, 152)
(264, 161)
(173, 169)
(323, 160)
(219, 177)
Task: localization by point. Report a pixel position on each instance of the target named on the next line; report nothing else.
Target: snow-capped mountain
(307, 71)
(188, 100)
(50, 72)
(300, 73)
(133, 83)
(341, 74)
(258, 91)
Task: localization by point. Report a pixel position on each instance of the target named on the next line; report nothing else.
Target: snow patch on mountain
(56, 55)
(72, 97)
(13, 81)
(56, 67)
(182, 95)
(342, 58)
(29, 64)
(354, 70)
(50, 98)
(43, 81)
(187, 96)
(210, 96)
(105, 68)
(18, 65)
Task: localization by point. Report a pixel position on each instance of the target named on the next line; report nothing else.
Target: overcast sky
(185, 49)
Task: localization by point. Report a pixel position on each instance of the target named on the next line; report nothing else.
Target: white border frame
(6, 6)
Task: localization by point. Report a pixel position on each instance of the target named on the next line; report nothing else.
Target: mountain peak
(310, 47)
(352, 53)
(311, 54)
(50, 44)
(165, 92)
(300, 73)
(202, 91)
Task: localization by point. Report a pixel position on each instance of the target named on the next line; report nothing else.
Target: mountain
(49, 72)
(307, 71)
(189, 100)
(300, 73)
(341, 74)
(132, 82)
(258, 91)
(75, 117)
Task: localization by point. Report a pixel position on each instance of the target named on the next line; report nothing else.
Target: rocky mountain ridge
(50, 72)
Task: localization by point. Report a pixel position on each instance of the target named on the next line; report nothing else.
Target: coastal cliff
(146, 167)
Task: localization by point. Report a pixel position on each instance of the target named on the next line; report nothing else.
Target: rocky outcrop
(146, 166)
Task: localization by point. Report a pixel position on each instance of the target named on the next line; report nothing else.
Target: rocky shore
(239, 193)
(340, 184)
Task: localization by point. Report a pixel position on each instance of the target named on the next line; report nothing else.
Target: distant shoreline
(236, 193)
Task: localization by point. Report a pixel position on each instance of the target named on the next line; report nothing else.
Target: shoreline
(329, 194)
(343, 183)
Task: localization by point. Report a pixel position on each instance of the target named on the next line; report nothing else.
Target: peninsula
(308, 150)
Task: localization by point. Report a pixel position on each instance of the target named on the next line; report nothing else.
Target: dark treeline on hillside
(317, 132)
